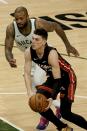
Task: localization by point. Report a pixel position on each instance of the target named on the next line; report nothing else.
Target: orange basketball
(38, 102)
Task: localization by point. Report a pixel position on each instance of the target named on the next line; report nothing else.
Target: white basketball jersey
(22, 41)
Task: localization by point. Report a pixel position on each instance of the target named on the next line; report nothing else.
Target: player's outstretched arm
(53, 26)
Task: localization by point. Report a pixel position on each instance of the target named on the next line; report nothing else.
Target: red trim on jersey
(71, 88)
(45, 88)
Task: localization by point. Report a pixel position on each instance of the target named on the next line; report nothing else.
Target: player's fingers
(13, 65)
(76, 53)
(50, 100)
(68, 53)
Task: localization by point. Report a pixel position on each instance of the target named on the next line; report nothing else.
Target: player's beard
(22, 26)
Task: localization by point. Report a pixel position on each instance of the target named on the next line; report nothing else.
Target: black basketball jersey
(68, 77)
(43, 62)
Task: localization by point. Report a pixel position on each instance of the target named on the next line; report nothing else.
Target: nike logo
(43, 61)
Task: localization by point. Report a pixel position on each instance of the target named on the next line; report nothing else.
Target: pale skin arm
(9, 42)
(53, 26)
(27, 72)
(53, 61)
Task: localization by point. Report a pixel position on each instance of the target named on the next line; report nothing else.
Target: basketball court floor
(72, 15)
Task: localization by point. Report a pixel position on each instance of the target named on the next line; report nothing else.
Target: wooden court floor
(13, 96)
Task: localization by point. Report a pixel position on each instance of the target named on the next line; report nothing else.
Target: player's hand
(50, 100)
(71, 49)
(12, 63)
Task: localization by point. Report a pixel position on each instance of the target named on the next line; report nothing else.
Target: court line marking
(11, 124)
(83, 97)
(24, 93)
(13, 93)
(4, 2)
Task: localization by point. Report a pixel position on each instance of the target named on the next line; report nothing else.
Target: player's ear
(45, 41)
(12, 14)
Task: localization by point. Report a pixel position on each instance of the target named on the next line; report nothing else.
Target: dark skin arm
(9, 42)
(53, 26)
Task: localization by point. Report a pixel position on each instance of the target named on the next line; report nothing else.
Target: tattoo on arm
(9, 41)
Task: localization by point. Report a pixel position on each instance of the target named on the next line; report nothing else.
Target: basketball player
(21, 30)
(61, 78)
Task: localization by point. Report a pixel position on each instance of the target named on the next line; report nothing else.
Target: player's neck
(26, 29)
(40, 52)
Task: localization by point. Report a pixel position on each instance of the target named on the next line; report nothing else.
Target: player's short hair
(21, 9)
(42, 32)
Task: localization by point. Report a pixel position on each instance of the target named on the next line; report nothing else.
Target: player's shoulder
(53, 51)
(10, 30)
(39, 20)
(50, 47)
(10, 27)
